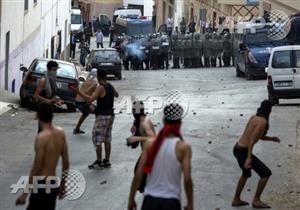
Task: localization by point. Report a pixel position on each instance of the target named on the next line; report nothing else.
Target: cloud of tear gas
(134, 50)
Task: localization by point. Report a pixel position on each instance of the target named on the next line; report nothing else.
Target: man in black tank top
(104, 94)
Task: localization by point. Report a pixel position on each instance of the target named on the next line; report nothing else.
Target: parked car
(284, 73)
(107, 59)
(67, 77)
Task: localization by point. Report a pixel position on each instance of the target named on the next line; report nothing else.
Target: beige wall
(161, 12)
(288, 6)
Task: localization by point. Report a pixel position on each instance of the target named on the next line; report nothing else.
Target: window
(282, 59)
(105, 55)
(75, 19)
(65, 70)
(35, 2)
(25, 5)
(297, 57)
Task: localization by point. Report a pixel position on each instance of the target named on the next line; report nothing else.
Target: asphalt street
(219, 107)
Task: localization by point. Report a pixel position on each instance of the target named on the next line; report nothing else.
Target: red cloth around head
(166, 131)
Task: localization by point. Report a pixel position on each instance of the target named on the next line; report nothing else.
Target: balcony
(239, 2)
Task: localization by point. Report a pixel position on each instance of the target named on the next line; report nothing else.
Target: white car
(284, 73)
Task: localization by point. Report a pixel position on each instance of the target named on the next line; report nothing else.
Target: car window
(75, 19)
(65, 70)
(297, 53)
(105, 55)
(282, 59)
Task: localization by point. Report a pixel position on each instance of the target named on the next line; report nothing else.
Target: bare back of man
(255, 126)
(88, 87)
(52, 144)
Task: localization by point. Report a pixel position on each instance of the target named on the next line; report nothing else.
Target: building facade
(219, 14)
(30, 29)
(290, 7)
(93, 8)
(165, 9)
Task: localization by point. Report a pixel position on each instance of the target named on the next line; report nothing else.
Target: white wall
(30, 33)
(54, 15)
(24, 41)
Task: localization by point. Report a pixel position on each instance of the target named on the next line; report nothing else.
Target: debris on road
(104, 182)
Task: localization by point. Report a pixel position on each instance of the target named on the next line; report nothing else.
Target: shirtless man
(256, 130)
(142, 128)
(143, 131)
(50, 145)
(88, 87)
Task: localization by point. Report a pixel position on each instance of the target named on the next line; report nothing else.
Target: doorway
(7, 40)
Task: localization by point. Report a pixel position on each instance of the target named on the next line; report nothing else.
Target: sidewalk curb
(6, 107)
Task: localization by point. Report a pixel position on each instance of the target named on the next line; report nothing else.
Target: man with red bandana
(165, 160)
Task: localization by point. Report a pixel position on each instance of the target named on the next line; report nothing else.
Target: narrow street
(219, 107)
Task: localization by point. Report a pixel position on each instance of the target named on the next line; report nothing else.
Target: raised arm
(99, 92)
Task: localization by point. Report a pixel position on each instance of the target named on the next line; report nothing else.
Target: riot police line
(187, 51)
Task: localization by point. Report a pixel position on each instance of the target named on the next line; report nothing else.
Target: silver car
(67, 78)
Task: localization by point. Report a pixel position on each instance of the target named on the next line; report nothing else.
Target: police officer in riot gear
(165, 46)
(197, 51)
(187, 44)
(227, 50)
(207, 47)
(176, 51)
(155, 52)
(214, 50)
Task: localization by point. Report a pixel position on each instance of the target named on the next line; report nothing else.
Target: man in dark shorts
(104, 94)
(256, 130)
(164, 160)
(50, 145)
(85, 108)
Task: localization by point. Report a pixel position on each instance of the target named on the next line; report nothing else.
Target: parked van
(76, 22)
(284, 73)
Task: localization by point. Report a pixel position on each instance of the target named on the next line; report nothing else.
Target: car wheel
(238, 72)
(71, 107)
(119, 76)
(273, 100)
(24, 101)
(248, 76)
